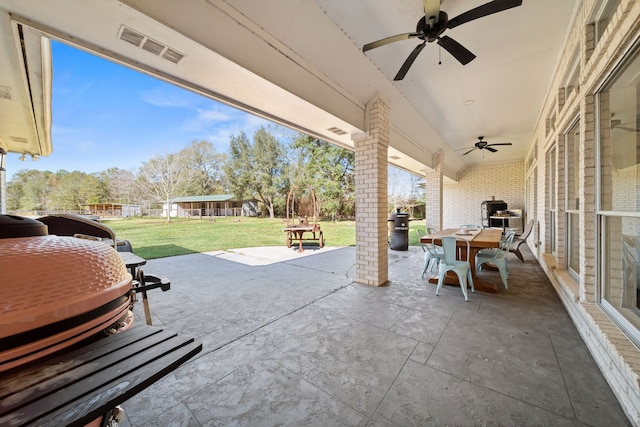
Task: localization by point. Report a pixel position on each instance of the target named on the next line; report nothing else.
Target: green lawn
(154, 238)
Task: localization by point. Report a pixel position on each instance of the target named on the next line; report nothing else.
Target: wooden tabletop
(485, 238)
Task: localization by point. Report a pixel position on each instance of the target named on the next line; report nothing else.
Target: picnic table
(297, 232)
(305, 207)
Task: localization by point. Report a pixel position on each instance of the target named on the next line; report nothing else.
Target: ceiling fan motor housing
(430, 30)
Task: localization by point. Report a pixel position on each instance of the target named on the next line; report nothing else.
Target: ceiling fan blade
(409, 61)
(432, 8)
(500, 143)
(484, 10)
(493, 150)
(628, 129)
(458, 51)
(469, 151)
(387, 40)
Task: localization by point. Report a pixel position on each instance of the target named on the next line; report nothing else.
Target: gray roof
(210, 198)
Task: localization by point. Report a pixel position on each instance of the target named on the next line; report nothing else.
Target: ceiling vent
(145, 43)
(19, 139)
(5, 93)
(153, 47)
(337, 131)
(172, 55)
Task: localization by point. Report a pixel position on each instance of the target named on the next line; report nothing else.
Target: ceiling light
(34, 157)
(23, 158)
(469, 102)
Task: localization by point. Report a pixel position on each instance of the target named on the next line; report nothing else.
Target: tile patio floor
(290, 339)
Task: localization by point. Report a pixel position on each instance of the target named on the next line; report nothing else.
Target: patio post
(372, 256)
(433, 192)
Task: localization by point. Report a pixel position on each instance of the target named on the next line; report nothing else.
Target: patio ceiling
(300, 63)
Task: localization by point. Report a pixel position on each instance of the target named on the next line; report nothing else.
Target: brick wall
(617, 357)
(463, 200)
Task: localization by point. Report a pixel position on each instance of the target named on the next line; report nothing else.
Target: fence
(37, 214)
(196, 213)
(159, 213)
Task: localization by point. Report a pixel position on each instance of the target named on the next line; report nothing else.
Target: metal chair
(450, 263)
(431, 252)
(497, 257)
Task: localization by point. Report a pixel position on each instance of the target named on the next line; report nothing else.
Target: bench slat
(102, 376)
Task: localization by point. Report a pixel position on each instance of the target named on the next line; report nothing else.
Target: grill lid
(18, 226)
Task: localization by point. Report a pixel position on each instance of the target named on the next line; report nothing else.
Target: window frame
(571, 214)
(631, 330)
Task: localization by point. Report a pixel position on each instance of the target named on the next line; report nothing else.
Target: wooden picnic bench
(82, 383)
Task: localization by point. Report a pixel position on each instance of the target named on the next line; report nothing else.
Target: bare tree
(403, 190)
(165, 178)
(119, 184)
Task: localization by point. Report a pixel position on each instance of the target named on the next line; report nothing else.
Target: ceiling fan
(483, 145)
(431, 26)
(617, 124)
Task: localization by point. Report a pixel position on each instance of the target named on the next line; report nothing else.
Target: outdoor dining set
(461, 253)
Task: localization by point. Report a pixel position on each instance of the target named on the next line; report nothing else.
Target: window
(603, 16)
(551, 191)
(572, 197)
(619, 195)
(571, 81)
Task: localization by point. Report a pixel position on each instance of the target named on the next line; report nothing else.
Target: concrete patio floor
(290, 339)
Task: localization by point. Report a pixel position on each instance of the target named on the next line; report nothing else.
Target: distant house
(210, 206)
(114, 210)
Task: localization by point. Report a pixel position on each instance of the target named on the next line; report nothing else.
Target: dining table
(478, 239)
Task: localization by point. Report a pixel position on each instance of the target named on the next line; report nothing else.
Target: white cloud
(167, 96)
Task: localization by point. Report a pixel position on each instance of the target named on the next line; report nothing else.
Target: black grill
(489, 208)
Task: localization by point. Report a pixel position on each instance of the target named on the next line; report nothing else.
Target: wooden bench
(81, 383)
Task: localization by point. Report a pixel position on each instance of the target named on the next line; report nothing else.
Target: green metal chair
(431, 252)
(450, 263)
(497, 257)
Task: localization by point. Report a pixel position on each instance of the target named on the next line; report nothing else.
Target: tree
(74, 190)
(209, 177)
(29, 190)
(404, 192)
(119, 185)
(330, 171)
(257, 169)
(164, 178)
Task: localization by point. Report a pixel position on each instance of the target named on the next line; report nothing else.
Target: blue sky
(106, 115)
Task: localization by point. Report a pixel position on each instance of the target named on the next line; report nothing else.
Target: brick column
(433, 192)
(372, 256)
